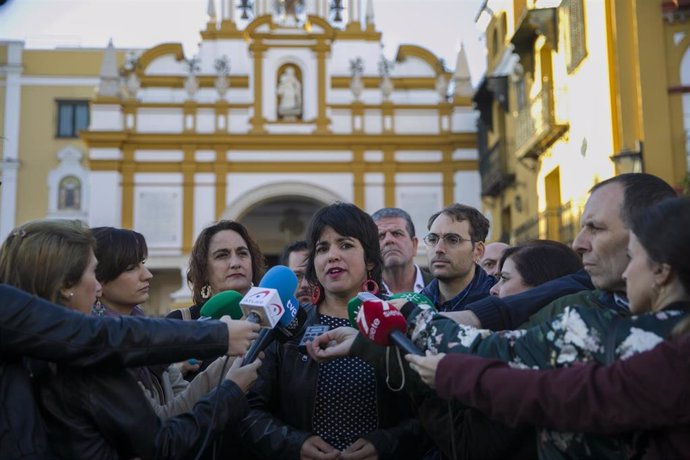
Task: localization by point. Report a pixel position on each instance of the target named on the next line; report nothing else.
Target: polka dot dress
(345, 406)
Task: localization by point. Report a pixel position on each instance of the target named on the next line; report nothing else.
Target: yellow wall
(39, 146)
(656, 122)
(63, 62)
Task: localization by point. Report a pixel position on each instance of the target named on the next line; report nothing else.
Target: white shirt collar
(418, 280)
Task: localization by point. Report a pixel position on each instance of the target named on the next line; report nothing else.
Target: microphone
(282, 333)
(267, 303)
(412, 300)
(221, 304)
(353, 307)
(274, 304)
(355, 304)
(384, 325)
(282, 279)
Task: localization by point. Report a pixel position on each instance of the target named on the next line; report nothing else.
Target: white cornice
(58, 81)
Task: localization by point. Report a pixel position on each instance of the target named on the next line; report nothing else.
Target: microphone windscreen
(353, 307)
(291, 309)
(223, 303)
(282, 279)
(415, 298)
(376, 321)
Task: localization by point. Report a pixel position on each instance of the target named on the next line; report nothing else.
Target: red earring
(316, 295)
(370, 285)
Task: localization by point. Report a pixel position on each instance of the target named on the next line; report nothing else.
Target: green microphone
(414, 297)
(353, 307)
(221, 304)
(412, 301)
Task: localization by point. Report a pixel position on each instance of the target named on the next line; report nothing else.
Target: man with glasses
(398, 248)
(295, 258)
(455, 240)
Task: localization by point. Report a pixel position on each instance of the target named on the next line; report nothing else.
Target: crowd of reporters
(589, 358)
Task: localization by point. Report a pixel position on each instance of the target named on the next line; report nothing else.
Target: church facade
(287, 106)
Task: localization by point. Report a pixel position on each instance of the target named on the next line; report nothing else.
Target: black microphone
(280, 333)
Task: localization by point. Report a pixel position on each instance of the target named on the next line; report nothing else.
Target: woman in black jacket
(301, 409)
(100, 412)
(31, 327)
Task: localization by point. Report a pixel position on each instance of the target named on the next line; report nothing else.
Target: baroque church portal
(286, 106)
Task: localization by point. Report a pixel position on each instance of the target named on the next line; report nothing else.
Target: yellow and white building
(286, 106)
(575, 92)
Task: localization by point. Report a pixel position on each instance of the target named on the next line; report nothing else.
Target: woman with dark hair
(657, 281)
(224, 257)
(100, 412)
(124, 278)
(530, 264)
(121, 271)
(302, 409)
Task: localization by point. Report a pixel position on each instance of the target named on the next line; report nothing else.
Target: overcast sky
(439, 25)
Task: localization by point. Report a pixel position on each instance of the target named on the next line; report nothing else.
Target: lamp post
(629, 160)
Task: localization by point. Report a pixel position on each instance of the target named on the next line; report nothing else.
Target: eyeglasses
(450, 239)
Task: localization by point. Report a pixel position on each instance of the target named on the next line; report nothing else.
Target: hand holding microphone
(226, 307)
(332, 344)
(384, 325)
(243, 375)
(273, 302)
(240, 335)
(426, 366)
(337, 343)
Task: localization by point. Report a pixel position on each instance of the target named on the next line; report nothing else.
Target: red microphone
(384, 325)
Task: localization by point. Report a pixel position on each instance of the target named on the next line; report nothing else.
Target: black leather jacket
(101, 413)
(282, 403)
(32, 327)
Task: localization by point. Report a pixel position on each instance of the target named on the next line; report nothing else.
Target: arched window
(69, 194)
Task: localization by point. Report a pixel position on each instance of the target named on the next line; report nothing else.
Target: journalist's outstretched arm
(30, 326)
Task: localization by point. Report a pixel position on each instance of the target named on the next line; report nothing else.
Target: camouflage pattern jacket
(579, 335)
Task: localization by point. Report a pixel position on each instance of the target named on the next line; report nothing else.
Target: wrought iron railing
(493, 169)
(533, 119)
(560, 224)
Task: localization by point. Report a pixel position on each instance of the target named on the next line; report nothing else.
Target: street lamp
(629, 160)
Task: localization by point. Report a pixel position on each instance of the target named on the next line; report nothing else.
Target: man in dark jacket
(602, 242)
(454, 243)
(35, 328)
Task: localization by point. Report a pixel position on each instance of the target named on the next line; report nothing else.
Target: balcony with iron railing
(536, 127)
(493, 169)
(560, 224)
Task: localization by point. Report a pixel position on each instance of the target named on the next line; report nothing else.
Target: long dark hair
(663, 233)
(347, 220)
(197, 274)
(539, 261)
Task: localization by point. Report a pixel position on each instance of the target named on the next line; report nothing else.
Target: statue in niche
(289, 13)
(69, 194)
(289, 95)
